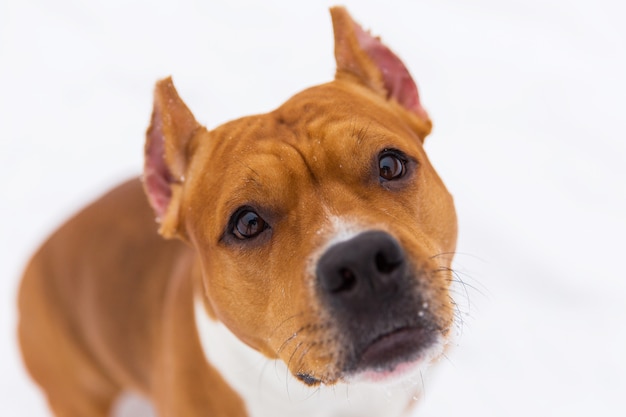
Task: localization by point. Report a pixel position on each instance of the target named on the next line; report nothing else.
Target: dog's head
(320, 226)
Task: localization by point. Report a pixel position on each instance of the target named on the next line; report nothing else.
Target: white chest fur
(268, 389)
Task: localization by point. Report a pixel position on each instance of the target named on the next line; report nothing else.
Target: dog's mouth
(398, 345)
(396, 354)
(389, 357)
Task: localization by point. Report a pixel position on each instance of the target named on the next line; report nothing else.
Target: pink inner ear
(157, 177)
(398, 81)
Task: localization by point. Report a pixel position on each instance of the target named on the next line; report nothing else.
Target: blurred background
(528, 99)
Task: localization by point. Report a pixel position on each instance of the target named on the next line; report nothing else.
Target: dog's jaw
(268, 388)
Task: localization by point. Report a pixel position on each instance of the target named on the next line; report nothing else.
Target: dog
(310, 245)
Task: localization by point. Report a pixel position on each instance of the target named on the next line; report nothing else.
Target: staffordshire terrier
(297, 269)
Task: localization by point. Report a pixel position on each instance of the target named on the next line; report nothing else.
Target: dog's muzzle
(370, 291)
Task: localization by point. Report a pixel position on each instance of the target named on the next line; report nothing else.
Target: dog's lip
(390, 349)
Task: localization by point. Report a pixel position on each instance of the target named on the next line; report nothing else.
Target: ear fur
(171, 129)
(364, 59)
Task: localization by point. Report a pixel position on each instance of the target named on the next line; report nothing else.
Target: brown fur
(107, 304)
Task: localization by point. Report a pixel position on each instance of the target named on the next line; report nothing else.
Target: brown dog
(307, 239)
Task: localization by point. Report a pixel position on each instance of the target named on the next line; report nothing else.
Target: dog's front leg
(185, 384)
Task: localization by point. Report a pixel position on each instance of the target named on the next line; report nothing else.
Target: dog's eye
(391, 166)
(248, 224)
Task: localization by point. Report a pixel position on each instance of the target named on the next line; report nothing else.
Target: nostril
(338, 279)
(365, 267)
(384, 264)
(346, 281)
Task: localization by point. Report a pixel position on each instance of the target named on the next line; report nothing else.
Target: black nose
(363, 269)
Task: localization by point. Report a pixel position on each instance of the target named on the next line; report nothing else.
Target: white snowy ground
(528, 99)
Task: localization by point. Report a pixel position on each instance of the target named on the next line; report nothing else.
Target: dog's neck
(268, 388)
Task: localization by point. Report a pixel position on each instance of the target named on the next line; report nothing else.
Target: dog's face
(321, 225)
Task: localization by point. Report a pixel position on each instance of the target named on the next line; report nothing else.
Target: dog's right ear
(171, 130)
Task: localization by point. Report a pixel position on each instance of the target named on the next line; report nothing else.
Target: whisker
(293, 336)
(287, 375)
(453, 254)
(456, 277)
(462, 282)
(446, 357)
(282, 323)
(316, 391)
(442, 254)
(305, 351)
(261, 383)
(293, 353)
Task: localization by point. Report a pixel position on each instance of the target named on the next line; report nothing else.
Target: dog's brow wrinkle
(305, 162)
(361, 134)
(251, 169)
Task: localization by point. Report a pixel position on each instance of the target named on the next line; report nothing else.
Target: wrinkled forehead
(323, 110)
(320, 122)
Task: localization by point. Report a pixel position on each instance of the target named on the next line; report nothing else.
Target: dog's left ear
(363, 58)
(167, 153)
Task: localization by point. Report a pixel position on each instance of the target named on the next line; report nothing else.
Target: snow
(527, 99)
